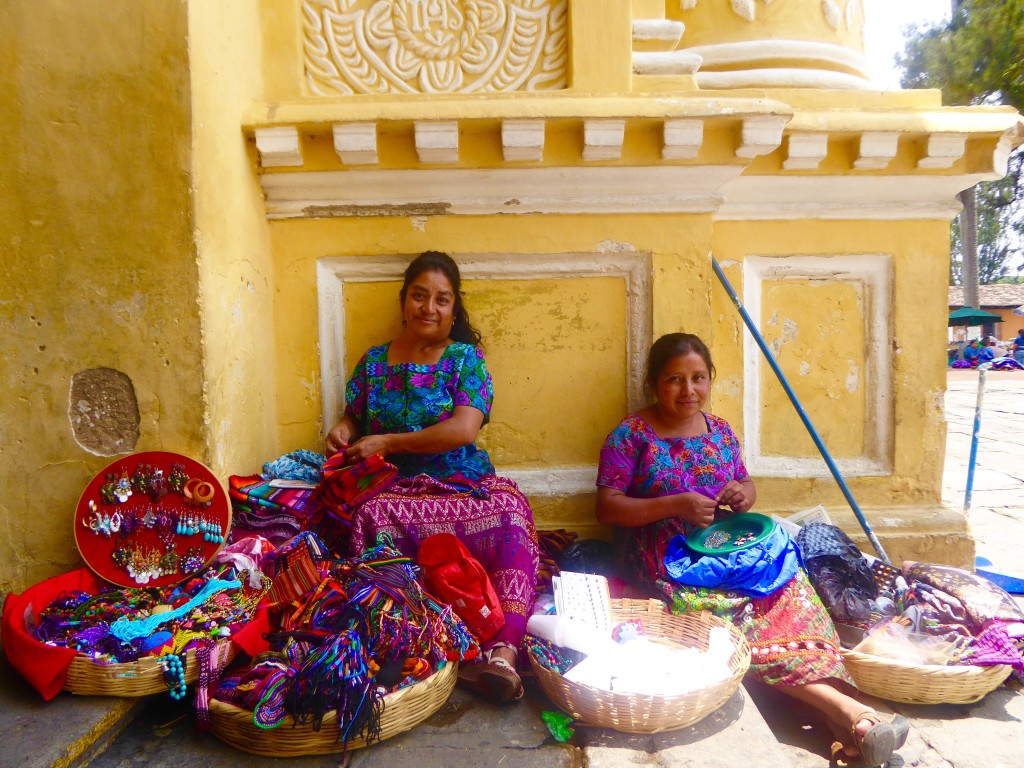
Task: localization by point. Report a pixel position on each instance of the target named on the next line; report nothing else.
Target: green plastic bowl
(727, 532)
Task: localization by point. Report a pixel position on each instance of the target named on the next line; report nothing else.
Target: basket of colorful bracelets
(136, 642)
(365, 655)
(643, 713)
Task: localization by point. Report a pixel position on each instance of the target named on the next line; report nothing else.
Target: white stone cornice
(455, 191)
(356, 143)
(760, 135)
(665, 63)
(522, 140)
(602, 139)
(278, 147)
(682, 139)
(657, 34)
(437, 141)
(805, 151)
(767, 53)
(877, 150)
(910, 196)
(943, 150)
(783, 77)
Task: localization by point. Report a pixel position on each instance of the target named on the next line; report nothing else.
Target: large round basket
(87, 677)
(922, 683)
(635, 713)
(404, 709)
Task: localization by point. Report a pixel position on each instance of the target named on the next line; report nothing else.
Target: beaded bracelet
(174, 675)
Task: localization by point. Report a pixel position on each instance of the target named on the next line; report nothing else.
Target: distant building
(1000, 299)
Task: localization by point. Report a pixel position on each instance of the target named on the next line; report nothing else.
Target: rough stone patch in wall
(103, 411)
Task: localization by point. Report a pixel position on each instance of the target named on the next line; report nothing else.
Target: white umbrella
(1019, 310)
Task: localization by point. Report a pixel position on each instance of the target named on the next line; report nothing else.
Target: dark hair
(436, 261)
(673, 345)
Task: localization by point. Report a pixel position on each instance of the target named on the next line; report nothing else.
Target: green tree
(1000, 229)
(977, 57)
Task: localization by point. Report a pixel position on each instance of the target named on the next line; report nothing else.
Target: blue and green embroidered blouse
(407, 397)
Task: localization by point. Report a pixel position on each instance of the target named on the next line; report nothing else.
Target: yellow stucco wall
(232, 239)
(549, 344)
(919, 257)
(98, 269)
(808, 20)
(817, 332)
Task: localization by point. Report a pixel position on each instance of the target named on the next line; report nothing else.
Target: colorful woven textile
(551, 545)
(296, 567)
(343, 488)
(366, 629)
(407, 397)
(302, 465)
(792, 638)
(259, 508)
(253, 491)
(981, 599)
(493, 521)
(457, 578)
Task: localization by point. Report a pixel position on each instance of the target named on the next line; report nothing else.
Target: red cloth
(44, 666)
(457, 578)
(250, 637)
(344, 487)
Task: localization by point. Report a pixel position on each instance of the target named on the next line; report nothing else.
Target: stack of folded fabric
(261, 507)
(275, 504)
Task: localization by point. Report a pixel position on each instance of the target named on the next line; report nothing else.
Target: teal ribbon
(127, 630)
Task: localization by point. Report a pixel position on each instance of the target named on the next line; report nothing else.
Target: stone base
(933, 534)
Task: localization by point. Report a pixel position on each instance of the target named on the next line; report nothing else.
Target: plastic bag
(892, 640)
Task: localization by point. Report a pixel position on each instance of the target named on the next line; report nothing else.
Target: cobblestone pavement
(997, 501)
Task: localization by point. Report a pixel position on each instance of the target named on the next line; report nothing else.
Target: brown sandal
(495, 680)
(886, 734)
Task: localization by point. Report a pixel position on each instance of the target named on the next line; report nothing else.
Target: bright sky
(883, 31)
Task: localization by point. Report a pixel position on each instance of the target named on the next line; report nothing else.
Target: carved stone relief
(434, 46)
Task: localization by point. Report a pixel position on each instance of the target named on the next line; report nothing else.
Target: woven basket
(86, 677)
(922, 683)
(404, 709)
(636, 713)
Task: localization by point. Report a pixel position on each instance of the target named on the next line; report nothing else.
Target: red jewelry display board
(151, 519)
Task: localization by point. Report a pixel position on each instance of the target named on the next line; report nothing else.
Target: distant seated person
(987, 352)
(971, 352)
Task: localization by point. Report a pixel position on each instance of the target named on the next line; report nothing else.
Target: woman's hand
(736, 496)
(338, 438)
(365, 447)
(695, 508)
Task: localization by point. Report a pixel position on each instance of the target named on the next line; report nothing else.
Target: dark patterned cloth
(981, 599)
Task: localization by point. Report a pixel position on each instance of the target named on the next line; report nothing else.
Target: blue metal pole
(800, 411)
(975, 431)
